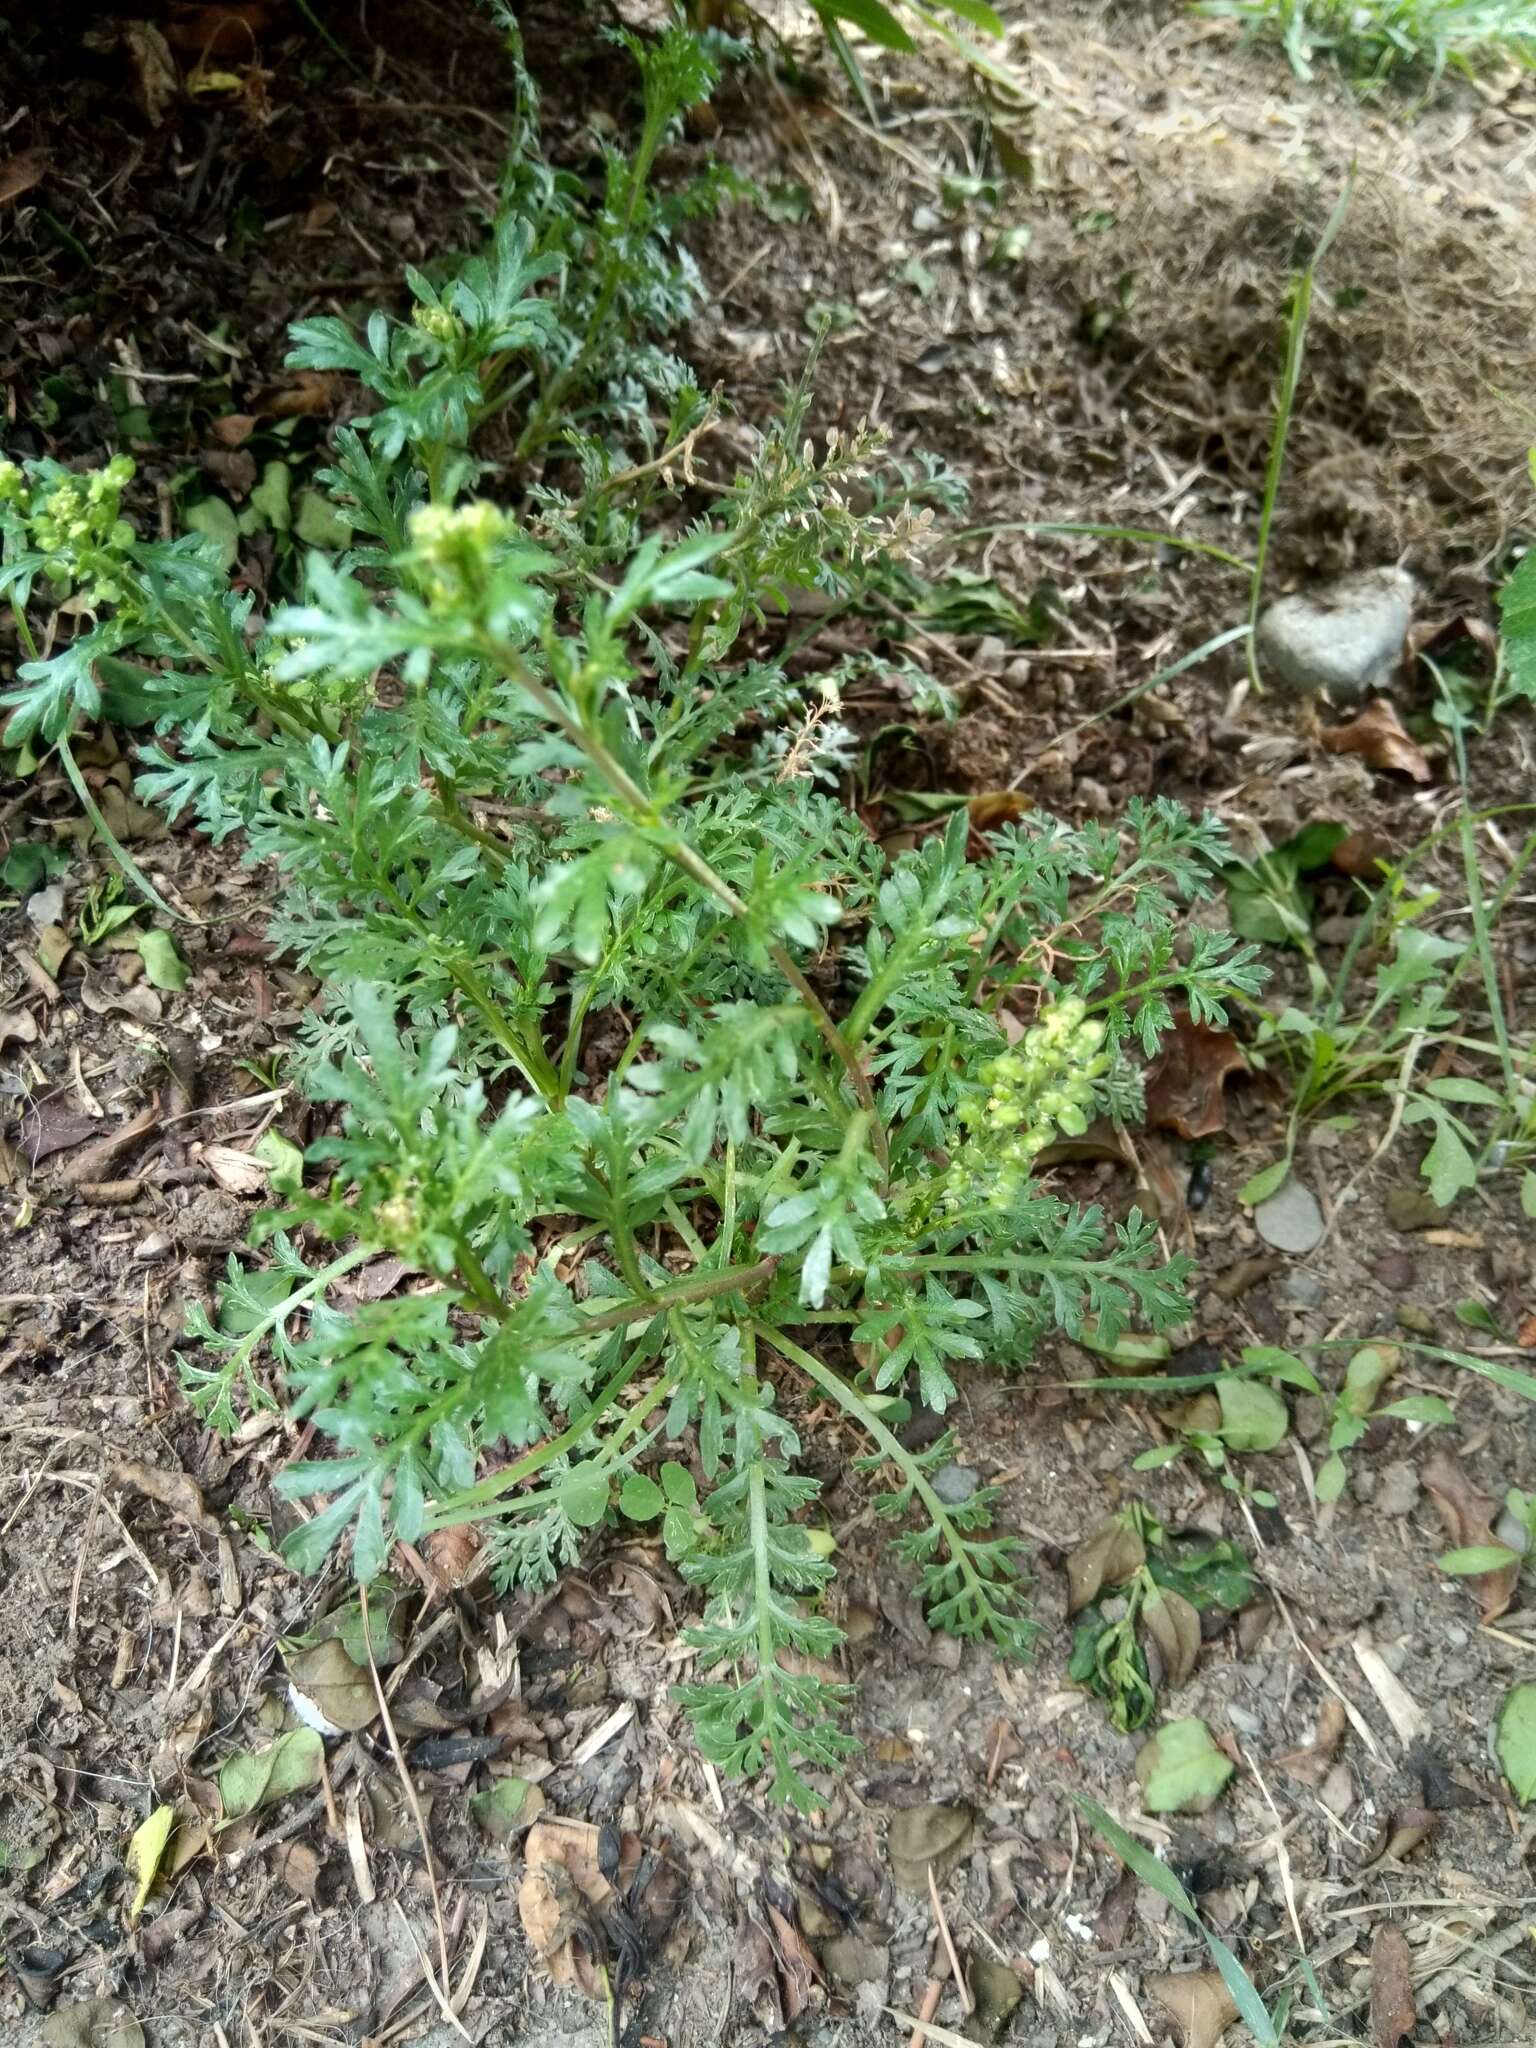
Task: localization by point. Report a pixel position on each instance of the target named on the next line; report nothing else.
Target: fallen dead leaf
(50, 1128)
(1187, 1082)
(798, 1970)
(1174, 1627)
(305, 393)
(1110, 1556)
(173, 1490)
(18, 1027)
(1003, 1744)
(301, 1870)
(1408, 1718)
(1525, 1335)
(235, 1171)
(1393, 2014)
(1361, 854)
(1403, 1830)
(1378, 737)
(93, 1164)
(1199, 2002)
(19, 173)
(155, 77)
(1468, 1517)
(561, 1886)
(1311, 1766)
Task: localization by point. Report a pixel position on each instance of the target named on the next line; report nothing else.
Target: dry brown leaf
(1110, 1556)
(1393, 2014)
(798, 1969)
(19, 173)
(301, 1870)
(561, 1886)
(303, 394)
(1199, 2002)
(155, 77)
(235, 1171)
(339, 1690)
(234, 429)
(1187, 1082)
(95, 1162)
(1377, 735)
(451, 1552)
(173, 1490)
(1311, 1766)
(1525, 1334)
(1468, 1518)
(1174, 1627)
(994, 807)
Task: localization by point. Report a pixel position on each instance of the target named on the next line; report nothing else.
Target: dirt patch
(1121, 369)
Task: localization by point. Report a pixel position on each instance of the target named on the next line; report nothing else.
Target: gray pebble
(955, 1484)
(1290, 1219)
(1341, 640)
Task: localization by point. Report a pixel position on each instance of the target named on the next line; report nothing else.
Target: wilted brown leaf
(301, 1870)
(1311, 1766)
(96, 1161)
(1188, 1078)
(303, 393)
(1378, 737)
(1468, 1517)
(798, 1970)
(1199, 2002)
(1361, 854)
(339, 1690)
(1002, 1745)
(993, 807)
(1110, 1556)
(1393, 2014)
(561, 1886)
(19, 173)
(1174, 1627)
(173, 1490)
(155, 77)
(50, 1128)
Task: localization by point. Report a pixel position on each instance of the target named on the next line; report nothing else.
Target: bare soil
(1121, 371)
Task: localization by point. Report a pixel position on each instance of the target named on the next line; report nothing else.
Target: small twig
(414, 1803)
(85, 1548)
(933, 1991)
(297, 1821)
(949, 1947)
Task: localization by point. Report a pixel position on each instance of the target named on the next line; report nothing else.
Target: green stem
(464, 1507)
(643, 812)
(854, 1406)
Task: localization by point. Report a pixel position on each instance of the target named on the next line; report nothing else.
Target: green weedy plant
(514, 769)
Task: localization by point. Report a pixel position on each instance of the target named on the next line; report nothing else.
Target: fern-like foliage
(635, 1048)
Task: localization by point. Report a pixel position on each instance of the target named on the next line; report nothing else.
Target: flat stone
(1341, 640)
(955, 1484)
(1290, 1219)
(850, 1960)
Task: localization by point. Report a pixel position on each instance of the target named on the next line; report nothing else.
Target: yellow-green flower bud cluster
(437, 321)
(455, 545)
(76, 523)
(1040, 1086)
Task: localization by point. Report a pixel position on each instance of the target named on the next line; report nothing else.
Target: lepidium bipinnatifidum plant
(514, 771)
